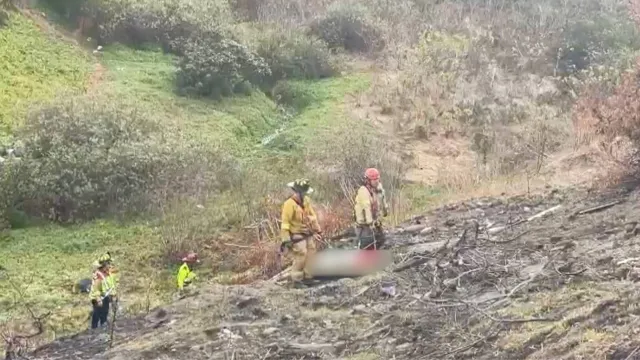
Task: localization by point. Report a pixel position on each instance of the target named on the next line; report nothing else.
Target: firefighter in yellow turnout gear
(103, 292)
(300, 230)
(370, 202)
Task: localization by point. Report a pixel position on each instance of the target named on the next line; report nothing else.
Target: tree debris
(597, 208)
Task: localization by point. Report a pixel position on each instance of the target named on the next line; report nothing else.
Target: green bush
(69, 10)
(598, 39)
(86, 158)
(291, 94)
(292, 55)
(348, 27)
(216, 69)
(167, 22)
(5, 5)
(4, 17)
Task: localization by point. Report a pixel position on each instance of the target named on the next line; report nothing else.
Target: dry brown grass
(495, 77)
(610, 122)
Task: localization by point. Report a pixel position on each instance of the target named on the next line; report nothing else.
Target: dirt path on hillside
(97, 75)
(96, 78)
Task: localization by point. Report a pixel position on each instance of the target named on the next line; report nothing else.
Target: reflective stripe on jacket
(102, 285)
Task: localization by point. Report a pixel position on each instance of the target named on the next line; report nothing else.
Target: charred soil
(535, 277)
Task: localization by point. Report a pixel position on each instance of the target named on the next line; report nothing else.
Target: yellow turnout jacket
(368, 203)
(297, 219)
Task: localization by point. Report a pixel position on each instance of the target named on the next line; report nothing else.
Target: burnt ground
(474, 280)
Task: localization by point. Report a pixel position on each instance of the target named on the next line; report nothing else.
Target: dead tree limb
(510, 240)
(598, 208)
(557, 269)
(17, 344)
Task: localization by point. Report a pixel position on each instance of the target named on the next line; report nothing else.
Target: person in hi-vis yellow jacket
(370, 203)
(300, 230)
(102, 293)
(185, 273)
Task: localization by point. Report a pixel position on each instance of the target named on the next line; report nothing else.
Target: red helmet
(372, 174)
(191, 257)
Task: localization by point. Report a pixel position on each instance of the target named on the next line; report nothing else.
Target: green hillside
(253, 129)
(35, 66)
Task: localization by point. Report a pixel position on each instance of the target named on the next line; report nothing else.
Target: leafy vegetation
(194, 121)
(348, 26)
(292, 55)
(133, 117)
(87, 158)
(220, 69)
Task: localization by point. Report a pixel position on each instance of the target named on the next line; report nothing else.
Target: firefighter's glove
(317, 236)
(377, 223)
(99, 303)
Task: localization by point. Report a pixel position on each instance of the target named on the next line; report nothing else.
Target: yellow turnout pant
(302, 252)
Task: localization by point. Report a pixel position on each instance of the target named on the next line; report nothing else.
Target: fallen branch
(632, 353)
(362, 291)
(370, 334)
(457, 278)
(423, 258)
(238, 246)
(498, 229)
(281, 275)
(313, 347)
(543, 213)
(622, 262)
(510, 240)
(513, 321)
(526, 282)
(557, 269)
(464, 347)
(410, 264)
(598, 208)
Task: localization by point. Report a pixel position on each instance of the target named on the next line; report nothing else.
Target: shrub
(4, 17)
(219, 69)
(167, 23)
(5, 5)
(86, 158)
(348, 27)
(291, 54)
(288, 12)
(68, 9)
(600, 39)
(291, 94)
(613, 119)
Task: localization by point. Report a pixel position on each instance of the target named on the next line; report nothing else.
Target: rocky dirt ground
(482, 279)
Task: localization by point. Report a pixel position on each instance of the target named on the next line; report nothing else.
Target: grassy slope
(48, 260)
(146, 76)
(34, 66)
